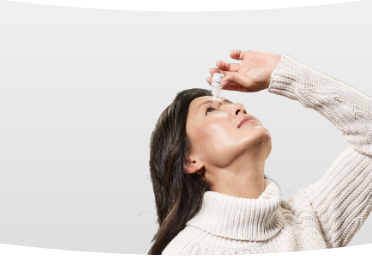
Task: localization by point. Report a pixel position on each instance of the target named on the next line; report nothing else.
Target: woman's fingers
(228, 66)
(237, 54)
(232, 87)
(214, 70)
(234, 77)
(232, 80)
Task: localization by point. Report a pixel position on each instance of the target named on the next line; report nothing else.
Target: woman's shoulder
(298, 209)
(298, 201)
(183, 242)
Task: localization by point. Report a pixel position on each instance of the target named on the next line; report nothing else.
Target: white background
(81, 90)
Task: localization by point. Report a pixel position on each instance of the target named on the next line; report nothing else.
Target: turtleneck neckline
(241, 218)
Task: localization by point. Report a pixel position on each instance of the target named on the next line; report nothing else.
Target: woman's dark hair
(178, 195)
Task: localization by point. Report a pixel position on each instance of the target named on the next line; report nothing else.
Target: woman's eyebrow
(211, 101)
(226, 101)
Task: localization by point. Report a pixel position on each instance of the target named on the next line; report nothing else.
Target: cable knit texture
(323, 215)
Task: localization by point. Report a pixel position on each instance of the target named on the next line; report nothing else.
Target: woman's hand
(253, 74)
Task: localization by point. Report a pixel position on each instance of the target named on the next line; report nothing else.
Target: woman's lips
(246, 122)
(245, 119)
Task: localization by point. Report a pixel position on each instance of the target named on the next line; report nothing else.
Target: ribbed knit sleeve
(342, 198)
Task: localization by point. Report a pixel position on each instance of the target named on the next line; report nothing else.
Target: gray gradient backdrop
(81, 90)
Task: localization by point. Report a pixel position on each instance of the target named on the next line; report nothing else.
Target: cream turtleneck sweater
(326, 214)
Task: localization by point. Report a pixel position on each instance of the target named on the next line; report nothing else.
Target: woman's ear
(191, 166)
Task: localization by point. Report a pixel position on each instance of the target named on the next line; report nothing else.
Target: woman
(207, 166)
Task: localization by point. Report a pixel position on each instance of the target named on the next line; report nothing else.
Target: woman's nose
(238, 109)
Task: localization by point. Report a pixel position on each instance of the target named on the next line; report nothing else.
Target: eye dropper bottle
(216, 85)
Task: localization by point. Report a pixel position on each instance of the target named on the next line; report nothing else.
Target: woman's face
(216, 138)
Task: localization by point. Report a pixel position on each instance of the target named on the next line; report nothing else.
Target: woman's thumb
(234, 77)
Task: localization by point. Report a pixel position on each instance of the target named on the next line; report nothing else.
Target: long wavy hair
(178, 195)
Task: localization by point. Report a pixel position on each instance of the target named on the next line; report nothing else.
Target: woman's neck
(247, 182)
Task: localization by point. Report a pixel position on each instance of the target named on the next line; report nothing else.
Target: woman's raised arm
(342, 198)
(347, 108)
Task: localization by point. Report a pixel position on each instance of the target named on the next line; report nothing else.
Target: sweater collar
(241, 218)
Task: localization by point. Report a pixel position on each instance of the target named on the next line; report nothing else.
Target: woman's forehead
(203, 99)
